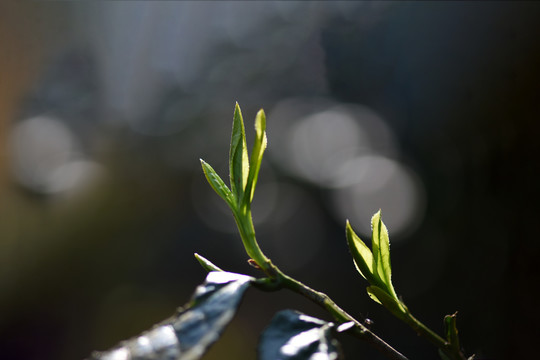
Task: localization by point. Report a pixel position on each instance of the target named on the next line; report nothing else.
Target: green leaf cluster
(243, 175)
(374, 265)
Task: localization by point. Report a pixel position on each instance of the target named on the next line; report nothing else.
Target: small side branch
(340, 315)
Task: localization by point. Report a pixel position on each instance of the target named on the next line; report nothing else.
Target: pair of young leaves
(374, 265)
(243, 172)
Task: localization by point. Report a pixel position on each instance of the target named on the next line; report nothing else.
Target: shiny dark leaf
(189, 334)
(295, 336)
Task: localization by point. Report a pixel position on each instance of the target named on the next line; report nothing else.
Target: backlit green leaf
(256, 155)
(362, 256)
(391, 303)
(238, 156)
(217, 184)
(206, 264)
(381, 252)
(295, 336)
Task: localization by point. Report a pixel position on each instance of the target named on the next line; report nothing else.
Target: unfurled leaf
(189, 334)
(218, 185)
(295, 336)
(362, 256)
(206, 264)
(391, 303)
(256, 155)
(238, 156)
(381, 252)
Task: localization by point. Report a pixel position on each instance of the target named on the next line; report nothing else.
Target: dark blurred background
(428, 110)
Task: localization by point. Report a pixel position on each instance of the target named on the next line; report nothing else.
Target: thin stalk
(239, 201)
(245, 226)
(340, 315)
(424, 331)
(280, 280)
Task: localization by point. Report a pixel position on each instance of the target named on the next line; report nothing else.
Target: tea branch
(373, 265)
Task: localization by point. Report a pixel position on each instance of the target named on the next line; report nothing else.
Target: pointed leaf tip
(217, 184)
(206, 264)
(260, 120)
